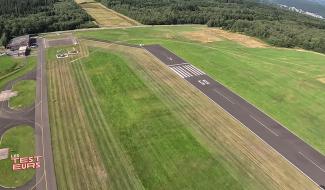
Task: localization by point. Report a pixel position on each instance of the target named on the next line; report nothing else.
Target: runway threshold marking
(194, 70)
(181, 71)
(310, 160)
(189, 74)
(274, 133)
(184, 74)
(223, 96)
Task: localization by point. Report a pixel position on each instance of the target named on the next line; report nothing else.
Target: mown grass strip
(157, 143)
(100, 124)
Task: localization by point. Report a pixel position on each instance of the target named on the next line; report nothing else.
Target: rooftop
(19, 41)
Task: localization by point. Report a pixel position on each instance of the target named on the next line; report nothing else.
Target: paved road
(45, 176)
(296, 151)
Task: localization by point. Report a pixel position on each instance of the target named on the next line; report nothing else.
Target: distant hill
(312, 6)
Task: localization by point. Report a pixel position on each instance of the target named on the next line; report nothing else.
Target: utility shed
(18, 42)
(4, 153)
(22, 51)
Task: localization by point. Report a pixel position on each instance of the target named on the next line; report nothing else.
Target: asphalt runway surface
(45, 175)
(296, 151)
(61, 42)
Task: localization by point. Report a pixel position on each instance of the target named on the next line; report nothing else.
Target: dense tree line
(276, 26)
(19, 17)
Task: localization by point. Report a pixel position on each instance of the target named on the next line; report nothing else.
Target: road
(45, 176)
(305, 158)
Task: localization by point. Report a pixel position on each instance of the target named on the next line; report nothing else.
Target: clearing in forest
(208, 35)
(105, 17)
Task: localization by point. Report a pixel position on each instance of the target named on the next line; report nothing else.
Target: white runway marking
(223, 96)
(194, 70)
(181, 71)
(186, 70)
(176, 72)
(274, 133)
(184, 74)
(312, 161)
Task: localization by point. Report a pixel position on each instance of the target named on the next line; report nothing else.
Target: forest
(19, 17)
(274, 25)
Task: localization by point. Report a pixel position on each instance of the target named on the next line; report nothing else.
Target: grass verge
(20, 140)
(30, 65)
(26, 94)
(10, 64)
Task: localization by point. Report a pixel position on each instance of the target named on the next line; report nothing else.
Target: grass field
(9, 64)
(139, 127)
(31, 64)
(148, 165)
(81, 160)
(286, 84)
(51, 53)
(26, 94)
(105, 17)
(20, 140)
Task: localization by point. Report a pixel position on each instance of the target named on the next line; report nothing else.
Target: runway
(296, 151)
(45, 175)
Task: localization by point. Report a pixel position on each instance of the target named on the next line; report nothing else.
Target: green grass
(51, 52)
(31, 64)
(164, 154)
(76, 121)
(20, 140)
(281, 82)
(122, 129)
(9, 64)
(26, 94)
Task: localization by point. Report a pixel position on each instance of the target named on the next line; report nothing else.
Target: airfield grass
(9, 64)
(284, 83)
(108, 132)
(52, 52)
(26, 94)
(86, 153)
(163, 153)
(20, 140)
(30, 65)
(244, 156)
